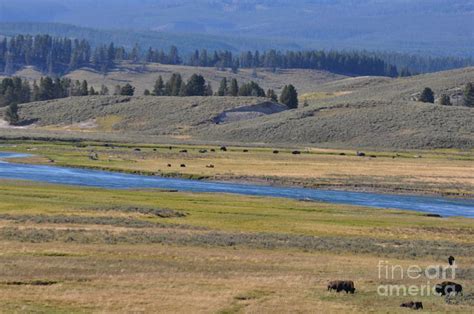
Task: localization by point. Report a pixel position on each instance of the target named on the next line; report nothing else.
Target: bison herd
(446, 288)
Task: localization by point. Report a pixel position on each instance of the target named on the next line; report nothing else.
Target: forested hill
(61, 55)
(436, 27)
(188, 43)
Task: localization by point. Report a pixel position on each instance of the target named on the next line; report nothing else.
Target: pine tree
(182, 90)
(251, 89)
(25, 92)
(74, 61)
(445, 100)
(9, 66)
(468, 99)
(66, 87)
(222, 91)
(289, 97)
(272, 95)
(8, 97)
(92, 91)
(46, 88)
(135, 55)
(35, 94)
(146, 92)
(196, 86)
(234, 88)
(427, 96)
(174, 55)
(11, 114)
(104, 90)
(159, 86)
(127, 90)
(84, 88)
(173, 86)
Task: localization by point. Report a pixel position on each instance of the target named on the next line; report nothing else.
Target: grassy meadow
(71, 249)
(443, 172)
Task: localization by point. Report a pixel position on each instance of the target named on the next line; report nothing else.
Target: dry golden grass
(144, 78)
(170, 279)
(230, 254)
(116, 267)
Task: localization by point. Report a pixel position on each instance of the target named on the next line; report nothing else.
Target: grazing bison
(183, 151)
(210, 166)
(245, 150)
(448, 287)
(433, 216)
(276, 152)
(213, 150)
(360, 154)
(169, 165)
(223, 149)
(413, 305)
(183, 166)
(203, 151)
(137, 150)
(451, 260)
(342, 285)
(296, 152)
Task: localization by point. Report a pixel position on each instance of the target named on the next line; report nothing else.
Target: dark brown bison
(342, 285)
(296, 152)
(183, 166)
(223, 149)
(413, 305)
(451, 260)
(448, 287)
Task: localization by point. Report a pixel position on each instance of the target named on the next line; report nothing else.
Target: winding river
(111, 180)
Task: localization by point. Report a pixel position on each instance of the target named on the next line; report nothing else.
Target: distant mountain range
(436, 27)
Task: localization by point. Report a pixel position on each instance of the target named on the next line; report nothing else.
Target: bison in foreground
(448, 287)
(342, 285)
(413, 305)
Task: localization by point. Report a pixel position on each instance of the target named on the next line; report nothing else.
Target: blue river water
(111, 180)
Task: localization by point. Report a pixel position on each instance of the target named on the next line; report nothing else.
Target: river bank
(115, 180)
(444, 173)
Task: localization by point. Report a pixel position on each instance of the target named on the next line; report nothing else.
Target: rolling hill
(351, 112)
(144, 77)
